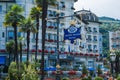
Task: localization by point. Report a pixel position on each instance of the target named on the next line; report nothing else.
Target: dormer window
(62, 4)
(72, 8)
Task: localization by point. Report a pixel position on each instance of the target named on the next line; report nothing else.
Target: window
(49, 23)
(95, 38)
(94, 29)
(19, 34)
(95, 47)
(51, 37)
(0, 8)
(62, 14)
(3, 34)
(89, 48)
(46, 36)
(10, 35)
(55, 37)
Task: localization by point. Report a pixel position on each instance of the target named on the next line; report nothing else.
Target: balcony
(95, 40)
(95, 31)
(113, 38)
(89, 40)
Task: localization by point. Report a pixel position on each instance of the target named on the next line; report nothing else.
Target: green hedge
(98, 78)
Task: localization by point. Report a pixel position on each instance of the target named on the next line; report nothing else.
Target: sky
(109, 8)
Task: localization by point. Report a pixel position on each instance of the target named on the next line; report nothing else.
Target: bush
(65, 79)
(118, 78)
(85, 79)
(25, 73)
(89, 78)
(98, 78)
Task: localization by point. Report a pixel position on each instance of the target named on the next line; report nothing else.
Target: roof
(86, 15)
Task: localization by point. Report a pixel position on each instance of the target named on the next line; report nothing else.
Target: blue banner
(72, 33)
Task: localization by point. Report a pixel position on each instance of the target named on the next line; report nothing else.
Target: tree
(99, 70)
(12, 18)
(36, 13)
(84, 70)
(20, 39)
(10, 49)
(27, 26)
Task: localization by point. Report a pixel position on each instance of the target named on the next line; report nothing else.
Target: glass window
(19, 34)
(10, 35)
(95, 38)
(62, 14)
(3, 34)
(51, 36)
(46, 36)
(55, 37)
(89, 47)
(95, 47)
(0, 8)
(49, 23)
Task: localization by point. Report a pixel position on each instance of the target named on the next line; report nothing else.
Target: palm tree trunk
(16, 45)
(28, 42)
(44, 15)
(37, 20)
(20, 52)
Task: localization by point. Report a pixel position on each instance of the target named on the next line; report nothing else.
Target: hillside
(108, 24)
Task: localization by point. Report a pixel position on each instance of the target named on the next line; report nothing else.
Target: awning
(2, 59)
(50, 69)
(91, 69)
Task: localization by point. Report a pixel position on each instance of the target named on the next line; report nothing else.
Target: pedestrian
(110, 78)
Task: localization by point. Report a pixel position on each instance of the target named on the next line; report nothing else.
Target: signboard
(72, 33)
(2, 59)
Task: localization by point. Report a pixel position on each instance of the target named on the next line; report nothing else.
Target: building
(114, 40)
(82, 51)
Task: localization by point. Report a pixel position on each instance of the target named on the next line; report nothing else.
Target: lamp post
(58, 62)
(112, 57)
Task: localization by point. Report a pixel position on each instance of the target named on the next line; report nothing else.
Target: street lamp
(112, 57)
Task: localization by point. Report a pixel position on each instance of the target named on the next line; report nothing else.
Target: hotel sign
(72, 33)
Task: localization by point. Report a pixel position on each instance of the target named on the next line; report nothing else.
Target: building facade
(82, 51)
(114, 40)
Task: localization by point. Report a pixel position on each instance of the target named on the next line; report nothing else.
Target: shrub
(85, 79)
(98, 78)
(65, 79)
(89, 78)
(118, 78)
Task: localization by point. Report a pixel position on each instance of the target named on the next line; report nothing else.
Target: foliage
(85, 79)
(108, 24)
(29, 73)
(13, 72)
(66, 78)
(10, 46)
(98, 78)
(118, 78)
(89, 78)
(14, 16)
(25, 73)
(99, 70)
(84, 70)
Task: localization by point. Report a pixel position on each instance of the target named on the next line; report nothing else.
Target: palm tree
(27, 26)
(10, 48)
(36, 14)
(12, 18)
(20, 39)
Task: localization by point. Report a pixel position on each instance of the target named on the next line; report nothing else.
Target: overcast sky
(109, 8)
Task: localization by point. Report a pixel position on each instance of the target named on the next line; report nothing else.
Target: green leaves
(27, 25)
(14, 16)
